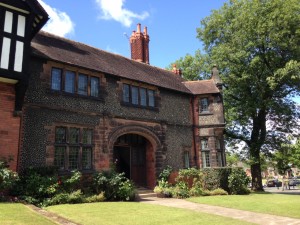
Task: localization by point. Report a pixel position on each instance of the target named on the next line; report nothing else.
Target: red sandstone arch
(153, 150)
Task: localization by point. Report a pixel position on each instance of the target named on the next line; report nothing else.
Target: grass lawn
(18, 214)
(276, 204)
(133, 213)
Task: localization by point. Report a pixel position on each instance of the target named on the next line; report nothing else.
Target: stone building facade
(89, 110)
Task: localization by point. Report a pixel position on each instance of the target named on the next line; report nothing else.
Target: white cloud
(59, 23)
(114, 10)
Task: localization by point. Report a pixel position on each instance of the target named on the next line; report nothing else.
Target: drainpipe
(194, 133)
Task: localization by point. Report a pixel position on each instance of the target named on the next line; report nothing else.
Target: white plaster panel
(8, 22)
(5, 53)
(19, 56)
(21, 25)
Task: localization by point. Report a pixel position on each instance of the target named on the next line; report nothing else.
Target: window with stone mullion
(73, 148)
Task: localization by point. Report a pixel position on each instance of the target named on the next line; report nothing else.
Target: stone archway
(151, 148)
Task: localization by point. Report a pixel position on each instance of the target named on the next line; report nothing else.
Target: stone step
(143, 193)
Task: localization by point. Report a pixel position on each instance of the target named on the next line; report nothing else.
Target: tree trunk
(256, 177)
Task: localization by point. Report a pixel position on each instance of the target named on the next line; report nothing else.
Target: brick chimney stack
(139, 44)
(176, 71)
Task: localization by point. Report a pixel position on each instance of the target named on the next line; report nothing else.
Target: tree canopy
(256, 44)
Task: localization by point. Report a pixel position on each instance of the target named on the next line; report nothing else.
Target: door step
(144, 194)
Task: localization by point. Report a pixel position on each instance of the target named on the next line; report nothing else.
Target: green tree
(256, 45)
(295, 155)
(232, 159)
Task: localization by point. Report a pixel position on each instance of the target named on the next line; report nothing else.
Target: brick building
(88, 109)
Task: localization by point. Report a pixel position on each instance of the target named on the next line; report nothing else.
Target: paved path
(52, 216)
(258, 218)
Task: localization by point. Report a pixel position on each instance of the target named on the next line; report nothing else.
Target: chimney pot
(138, 28)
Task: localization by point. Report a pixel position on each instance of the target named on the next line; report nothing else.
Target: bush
(196, 189)
(164, 175)
(114, 185)
(8, 178)
(181, 190)
(238, 182)
(95, 198)
(218, 191)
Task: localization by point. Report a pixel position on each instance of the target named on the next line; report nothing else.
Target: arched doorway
(130, 155)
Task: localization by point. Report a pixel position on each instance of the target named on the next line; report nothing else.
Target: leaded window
(82, 84)
(56, 79)
(151, 101)
(205, 159)
(75, 83)
(73, 148)
(138, 96)
(204, 144)
(143, 96)
(134, 95)
(95, 87)
(204, 105)
(70, 82)
(220, 161)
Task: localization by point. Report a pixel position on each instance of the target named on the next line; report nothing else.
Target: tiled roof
(74, 53)
(202, 87)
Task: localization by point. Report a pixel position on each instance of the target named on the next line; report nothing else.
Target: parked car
(294, 181)
(274, 183)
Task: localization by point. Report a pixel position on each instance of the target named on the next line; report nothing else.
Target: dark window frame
(149, 101)
(204, 108)
(90, 92)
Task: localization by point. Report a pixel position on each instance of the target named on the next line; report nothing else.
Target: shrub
(181, 190)
(196, 189)
(114, 185)
(238, 181)
(95, 198)
(70, 183)
(218, 191)
(7, 177)
(37, 186)
(164, 175)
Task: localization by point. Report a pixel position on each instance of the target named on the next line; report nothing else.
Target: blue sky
(107, 24)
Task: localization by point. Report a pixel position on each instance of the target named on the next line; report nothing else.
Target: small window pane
(87, 135)
(82, 84)
(218, 145)
(73, 158)
(56, 79)
(220, 158)
(134, 95)
(87, 158)
(74, 136)
(95, 87)
(186, 160)
(60, 135)
(125, 93)
(143, 96)
(204, 144)
(59, 157)
(206, 159)
(204, 105)
(70, 82)
(151, 101)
